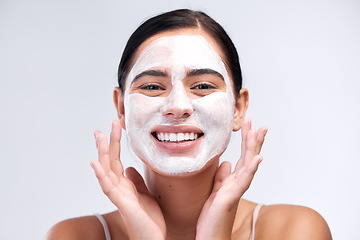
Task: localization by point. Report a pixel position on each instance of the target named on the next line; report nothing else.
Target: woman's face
(178, 101)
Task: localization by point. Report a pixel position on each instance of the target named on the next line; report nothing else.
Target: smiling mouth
(176, 137)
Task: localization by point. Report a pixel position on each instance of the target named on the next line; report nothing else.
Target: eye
(203, 86)
(151, 87)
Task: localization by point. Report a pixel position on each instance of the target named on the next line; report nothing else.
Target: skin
(204, 204)
(190, 77)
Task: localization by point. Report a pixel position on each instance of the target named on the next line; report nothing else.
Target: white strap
(103, 223)
(255, 216)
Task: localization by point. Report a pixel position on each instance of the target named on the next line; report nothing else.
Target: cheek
(215, 109)
(215, 112)
(139, 109)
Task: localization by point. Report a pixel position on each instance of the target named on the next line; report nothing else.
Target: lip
(176, 129)
(184, 147)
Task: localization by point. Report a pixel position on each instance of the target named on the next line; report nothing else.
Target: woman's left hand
(218, 214)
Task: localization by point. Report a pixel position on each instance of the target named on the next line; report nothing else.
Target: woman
(179, 98)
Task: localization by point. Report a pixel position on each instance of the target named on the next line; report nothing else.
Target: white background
(58, 63)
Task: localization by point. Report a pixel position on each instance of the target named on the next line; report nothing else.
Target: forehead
(191, 52)
(183, 44)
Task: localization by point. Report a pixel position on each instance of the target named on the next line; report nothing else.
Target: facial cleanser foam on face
(212, 114)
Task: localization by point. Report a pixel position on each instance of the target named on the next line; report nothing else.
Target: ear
(119, 105)
(241, 105)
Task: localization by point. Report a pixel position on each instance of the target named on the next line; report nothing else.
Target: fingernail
(260, 160)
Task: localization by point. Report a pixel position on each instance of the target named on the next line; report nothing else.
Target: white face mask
(210, 118)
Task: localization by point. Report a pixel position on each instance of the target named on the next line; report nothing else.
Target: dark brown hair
(178, 19)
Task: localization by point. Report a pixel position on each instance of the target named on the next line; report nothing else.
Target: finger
(251, 146)
(106, 184)
(103, 151)
(245, 128)
(138, 181)
(114, 148)
(260, 138)
(223, 172)
(95, 133)
(246, 175)
(254, 164)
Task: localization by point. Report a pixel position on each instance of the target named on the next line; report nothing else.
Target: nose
(177, 105)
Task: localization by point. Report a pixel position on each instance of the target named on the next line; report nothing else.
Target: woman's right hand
(141, 214)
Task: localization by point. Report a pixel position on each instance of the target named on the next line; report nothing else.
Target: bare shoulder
(87, 227)
(291, 222)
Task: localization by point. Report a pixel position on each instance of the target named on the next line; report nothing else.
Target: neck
(181, 198)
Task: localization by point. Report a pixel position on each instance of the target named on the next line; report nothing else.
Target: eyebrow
(202, 71)
(194, 72)
(156, 73)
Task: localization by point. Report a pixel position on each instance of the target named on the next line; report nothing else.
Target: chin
(211, 164)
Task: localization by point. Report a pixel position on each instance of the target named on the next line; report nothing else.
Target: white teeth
(191, 136)
(180, 137)
(176, 137)
(172, 137)
(166, 137)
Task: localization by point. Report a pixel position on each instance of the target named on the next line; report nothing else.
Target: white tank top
(252, 235)
(254, 218)
(105, 226)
